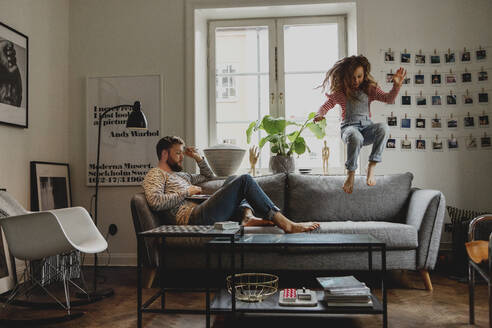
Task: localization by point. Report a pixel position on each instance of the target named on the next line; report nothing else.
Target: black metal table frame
(143, 308)
(370, 248)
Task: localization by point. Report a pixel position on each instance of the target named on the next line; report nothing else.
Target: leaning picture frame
(50, 186)
(14, 73)
(8, 277)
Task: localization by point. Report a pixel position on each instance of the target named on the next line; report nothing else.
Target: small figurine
(254, 154)
(325, 154)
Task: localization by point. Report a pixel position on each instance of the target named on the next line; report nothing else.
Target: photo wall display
(437, 99)
(435, 78)
(437, 57)
(449, 142)
(437, 122)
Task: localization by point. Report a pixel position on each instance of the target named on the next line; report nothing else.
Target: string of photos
(445, 92)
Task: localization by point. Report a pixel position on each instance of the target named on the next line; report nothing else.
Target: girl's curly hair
(340, 76)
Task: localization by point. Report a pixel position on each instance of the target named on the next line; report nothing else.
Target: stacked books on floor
(345, 291)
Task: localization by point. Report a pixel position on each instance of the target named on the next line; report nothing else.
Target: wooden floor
(409, 305)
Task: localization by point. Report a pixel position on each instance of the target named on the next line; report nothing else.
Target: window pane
(310, 47)
(302, 97)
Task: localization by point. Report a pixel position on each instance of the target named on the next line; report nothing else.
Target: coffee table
(225, 303)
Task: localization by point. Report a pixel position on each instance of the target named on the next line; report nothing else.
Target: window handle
(272, 98)
(281, 98)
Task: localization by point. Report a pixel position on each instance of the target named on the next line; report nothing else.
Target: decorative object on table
(282, 143)
(226, 225)
(50, 189)
(297, 297)
(345, 291)
(224, 159)
(14, 73)
(136, 121)
(325, 154)
(254, 154)
(127, 155)
(253, 287)
(305, 171)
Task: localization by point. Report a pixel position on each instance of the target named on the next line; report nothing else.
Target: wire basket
(253, 287)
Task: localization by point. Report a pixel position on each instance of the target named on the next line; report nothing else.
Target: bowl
(253, 287)
(224, 159)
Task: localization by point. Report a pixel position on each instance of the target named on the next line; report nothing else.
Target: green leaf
(311, 115)
(273, 125)
(275, 149)
(300, 145)
(249, 131)
(273, 138)
(292, 136)
(317, 129)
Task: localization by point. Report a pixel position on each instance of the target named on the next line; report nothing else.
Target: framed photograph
(467, 99)
(437, 145)
(485, 142)
(419, 79)
(450, 78)
(452, 123)
(436, 100)
(483, 121)
(471, 143)
(420, 123)
(483, 98)
(436, 123)
(452, 143)
(405, 58)
(465, 56)
(50, 186)
(449, 58)
(435, 59)
(13, 77)
(406, 123)
(8, 276)
(481, 54)
(420, 59)
(469, 121)
(407, 80)
(391, 143)
(392, 121)
(451, 99)
(389, 57)
(421, 100)
(436, 79)
(483, 76)
(406, 100)
(406, 144)
(420, 144)
(466, 77)
(389, 78)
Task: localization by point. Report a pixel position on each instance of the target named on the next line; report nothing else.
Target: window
(273, 66)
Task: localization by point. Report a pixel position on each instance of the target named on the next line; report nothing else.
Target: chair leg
(427, 281)
(67, 290)
(148, 276)
(471, 292)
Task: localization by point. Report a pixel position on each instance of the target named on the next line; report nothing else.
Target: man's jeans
(224, 204)
(358, 135)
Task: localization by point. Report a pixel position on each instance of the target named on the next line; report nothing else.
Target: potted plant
(284, 145)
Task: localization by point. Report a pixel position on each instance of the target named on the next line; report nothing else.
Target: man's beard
(174, 165)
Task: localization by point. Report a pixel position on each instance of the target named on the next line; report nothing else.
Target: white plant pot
(224, 159)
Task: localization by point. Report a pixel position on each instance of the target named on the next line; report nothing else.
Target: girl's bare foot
(251, 221)
(348, 186)
(371, 178)
(293, 227)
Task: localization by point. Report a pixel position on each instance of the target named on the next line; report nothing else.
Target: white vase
(224, 159)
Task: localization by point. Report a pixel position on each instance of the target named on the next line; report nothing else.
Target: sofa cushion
(321, 198)
(272, 185)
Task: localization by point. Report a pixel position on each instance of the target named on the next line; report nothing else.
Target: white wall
(45, 22)
(115, 37)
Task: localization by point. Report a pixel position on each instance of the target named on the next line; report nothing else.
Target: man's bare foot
(293, 227)
(371, 178)
(251, 221)
(348, 186)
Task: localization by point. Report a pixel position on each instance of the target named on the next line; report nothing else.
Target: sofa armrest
(426, 213)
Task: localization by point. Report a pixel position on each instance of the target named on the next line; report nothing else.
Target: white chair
(38, 235)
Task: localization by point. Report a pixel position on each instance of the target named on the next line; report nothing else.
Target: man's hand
(399, 76)
(318, 118)
(193, 190)
(193, 153)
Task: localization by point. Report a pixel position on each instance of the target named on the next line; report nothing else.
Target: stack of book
(345, 291)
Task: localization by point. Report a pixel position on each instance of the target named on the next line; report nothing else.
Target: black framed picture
(50, 186)
(14, 69)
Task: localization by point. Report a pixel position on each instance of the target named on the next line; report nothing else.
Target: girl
(353, 88)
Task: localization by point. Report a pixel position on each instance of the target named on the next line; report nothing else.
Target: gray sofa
(407, 219)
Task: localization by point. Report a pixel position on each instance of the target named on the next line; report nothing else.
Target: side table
(176, 231)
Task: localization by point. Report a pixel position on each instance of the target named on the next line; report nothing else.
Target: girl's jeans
(361, 134)
(225, 203)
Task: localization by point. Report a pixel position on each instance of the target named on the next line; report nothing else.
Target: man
(166, 189)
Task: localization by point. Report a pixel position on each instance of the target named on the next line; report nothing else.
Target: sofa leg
(148, 276)
(427, 280)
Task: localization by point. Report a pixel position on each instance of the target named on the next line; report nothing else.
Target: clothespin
(406, 138)
(405, 51)
(420, 71)
(449, 51)
(437, 137)
(450, 92)
(420, 51)
(391, 113)
(436, 93)
(421, 93)
(483, 90)
(436, 116)
(435, 72)
(406, 93)
(389, 136)
(466, 71)
(420, 115)
(435, 51)
(452, 136)
(479, 47)
(391, 71)
(451, 115)
(389, 49)
(420, 136)
(467, 92)
(450, 71)
(468, 114)
(482, 69)
(405, 115)
(464, 49)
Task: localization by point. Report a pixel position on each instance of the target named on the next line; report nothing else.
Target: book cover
(343, 282)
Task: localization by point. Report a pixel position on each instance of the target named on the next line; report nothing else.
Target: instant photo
(483, 98)
(392, 121)
(436, 123)
(467, 100)
(485, 142)
(466, 77)
(389, 56)
(452, 123)
(405, 58)
(450, 78)
(420, 123)
(465, 56)
(420, 144)
(449, 58)
(436, 100)
(420, 59)
(471, 143)
(407, 80)
(437, 145)
(406, 144)
(389, 77)
(419, 79)
(436, 79)
(469, 121)
(391, 143)
(483, 120)
(483, 76)
(435, 59)
(451, 99)
(406, 100)
(453, 143)
(406, 123)
(481, 54)
(421, 100)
